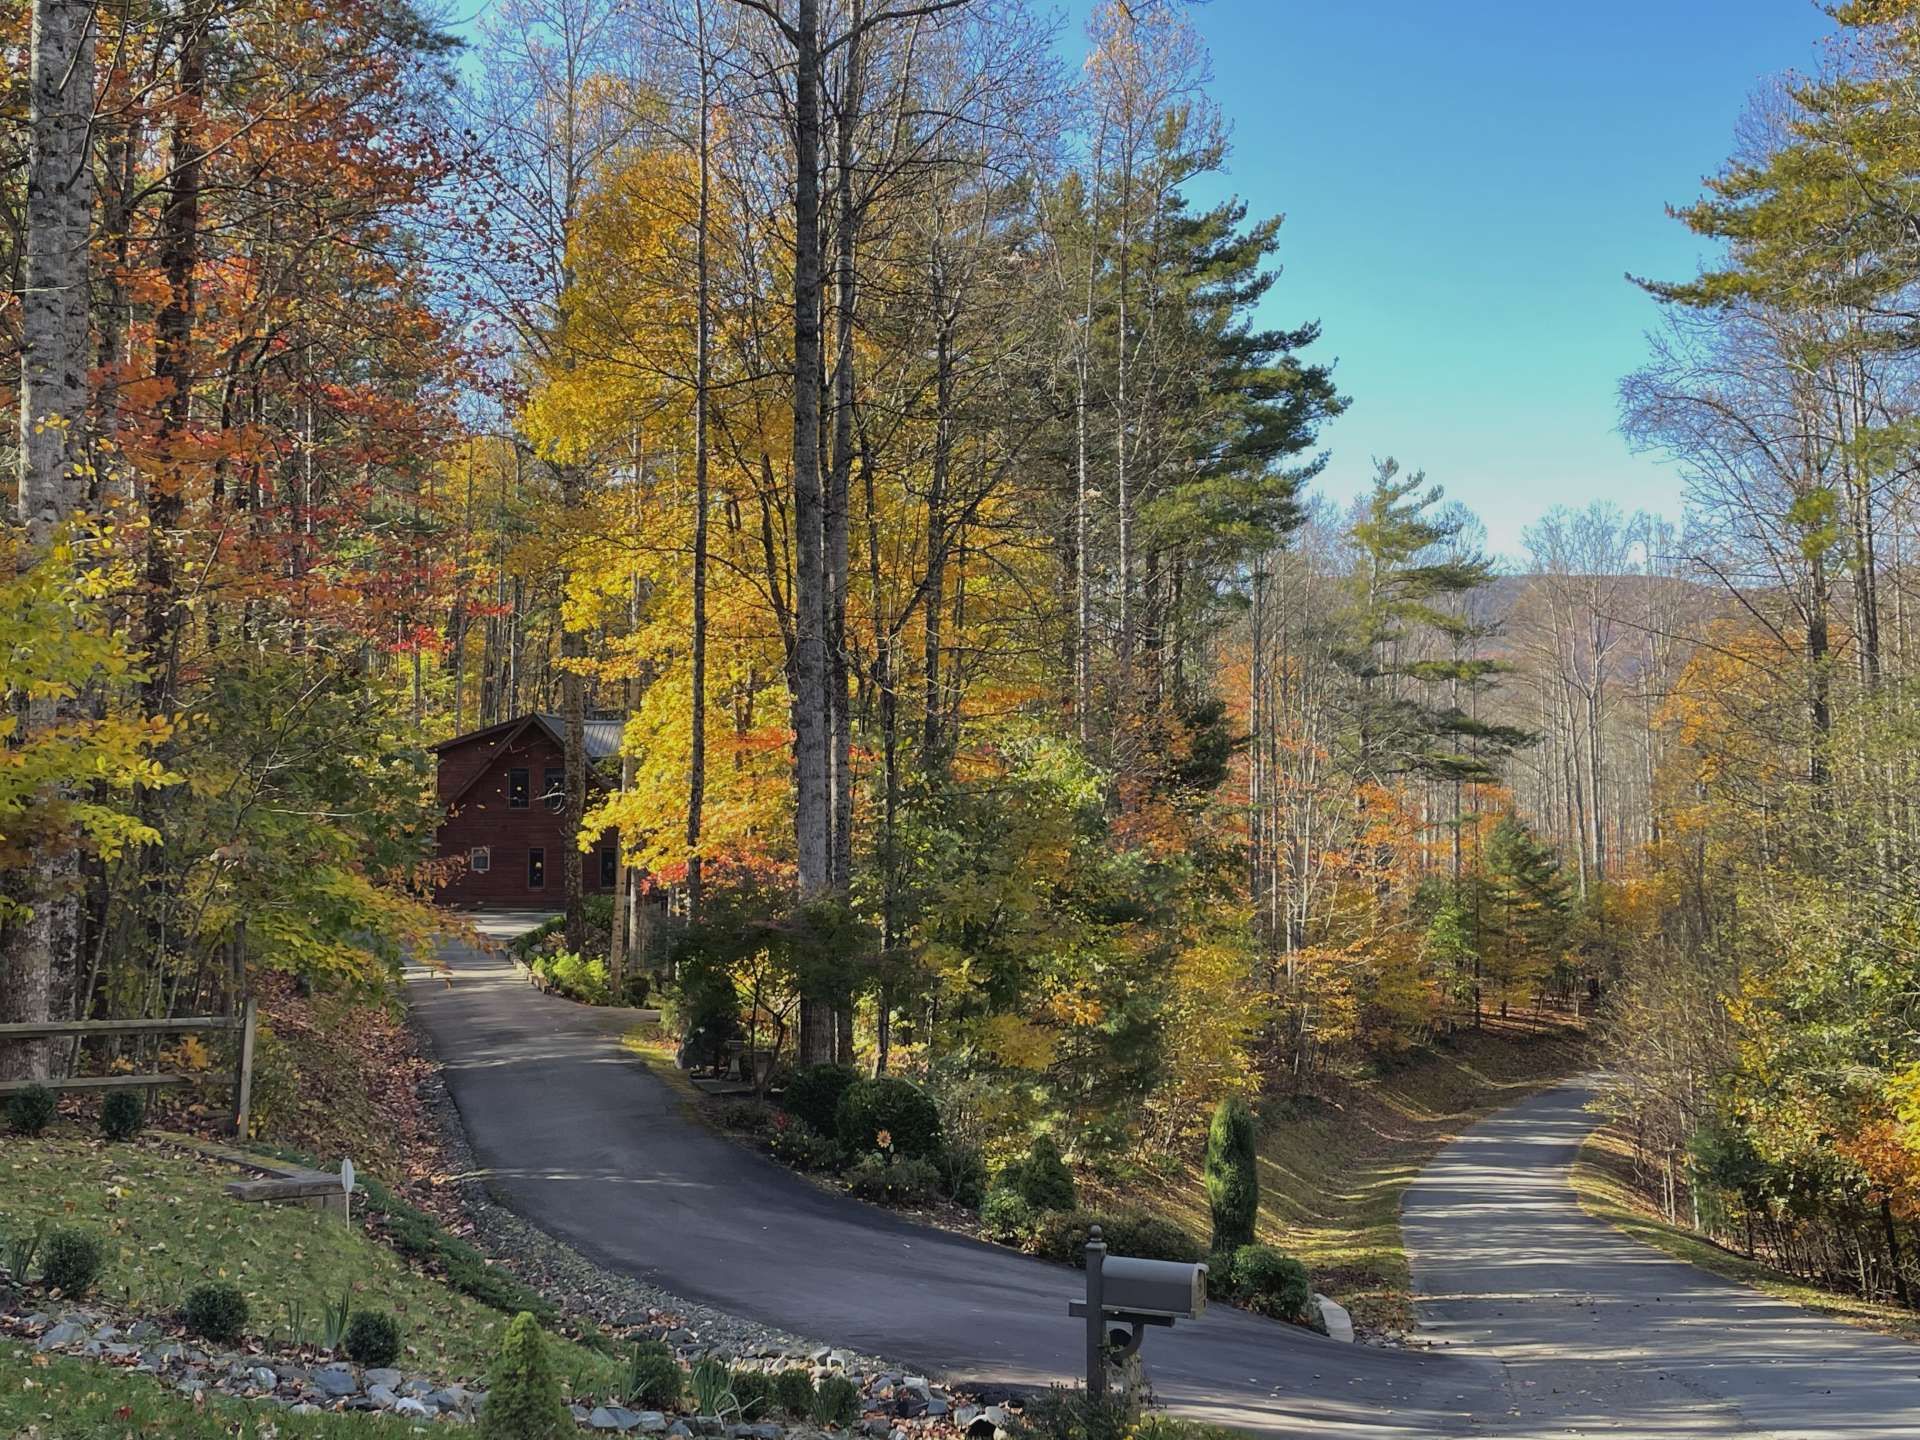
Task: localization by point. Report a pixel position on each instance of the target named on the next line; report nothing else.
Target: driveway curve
(1601, 1335)
(578, 1137)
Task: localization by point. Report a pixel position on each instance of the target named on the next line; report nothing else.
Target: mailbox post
(1136, 1293)
(1096, 1313)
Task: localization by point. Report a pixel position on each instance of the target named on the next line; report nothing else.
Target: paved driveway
(1602, 1335)
(581, 1139)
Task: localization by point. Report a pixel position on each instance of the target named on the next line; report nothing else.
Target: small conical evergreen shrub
(523, 1393)
(1233, 1175)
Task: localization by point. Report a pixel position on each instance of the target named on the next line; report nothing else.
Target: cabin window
(480, 859)
(536, 869)
(554, 792)
(609, 867)
(519, 789)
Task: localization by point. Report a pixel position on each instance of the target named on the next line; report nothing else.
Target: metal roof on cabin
(603, 736)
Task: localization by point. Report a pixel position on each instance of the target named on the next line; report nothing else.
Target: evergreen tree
(1232, 1175)
(1528, 911)
(523, 1393)
(1453, 951)
(1407, 718)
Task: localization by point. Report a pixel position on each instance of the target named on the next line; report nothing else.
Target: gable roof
(602, 736)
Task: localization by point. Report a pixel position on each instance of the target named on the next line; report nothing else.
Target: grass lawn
(61, 1399)
(1333, 1169)
(168, 1226)
(1602, 1179)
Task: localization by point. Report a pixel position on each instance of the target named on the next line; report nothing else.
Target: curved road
(1550, 1324)
(1601, 1335)
(576, 1135)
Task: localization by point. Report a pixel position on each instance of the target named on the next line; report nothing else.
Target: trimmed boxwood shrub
(70, 1262)
(30, 1111)
(753, 1389)
(122, 1114)
(793, 1393)
(836, 1404)
(1232, 1174)
(813, 1094)
(1042, 1177)
(373, 1338)
(655, 1380)
(523, 1393)
(1062, 1235)
(905, 1181)
(1272, 1283)
(1006, 1216)
(896, 1108)
(216, 1311)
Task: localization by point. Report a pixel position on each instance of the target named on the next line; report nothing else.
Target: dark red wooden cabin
(503, 792)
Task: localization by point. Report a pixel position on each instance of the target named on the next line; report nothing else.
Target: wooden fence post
(243, 1080)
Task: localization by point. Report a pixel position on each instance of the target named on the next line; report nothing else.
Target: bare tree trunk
(812, 713)
(702, 381)
(53, 472)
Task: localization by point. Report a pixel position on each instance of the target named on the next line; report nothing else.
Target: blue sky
(1465, 186)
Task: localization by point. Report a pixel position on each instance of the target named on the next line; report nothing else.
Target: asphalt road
(1603, 1336)
(1545, 1323)
(578, 1137)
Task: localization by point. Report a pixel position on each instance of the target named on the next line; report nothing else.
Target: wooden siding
(474, 778)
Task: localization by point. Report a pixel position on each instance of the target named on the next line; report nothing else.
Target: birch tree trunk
(53, 465)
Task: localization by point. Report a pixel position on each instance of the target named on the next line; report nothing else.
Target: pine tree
(1407, 715)
(1529, 908)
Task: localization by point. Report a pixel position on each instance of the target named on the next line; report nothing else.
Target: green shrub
(1062, 1235)
(655, 1380)
(70, 1261)
(30, 1111)
(122, 1114)
(1150, 1238)
(216, 1312)
(836, 1404)
(963, 1175)
(753, 1393)
(523, 1393)
(596, 906)
(1272, 1283)
(373, 1338)
(897, 1109)
(749, 1117)
(1233, 1174)
(1006, 1216)
(575, 977)
(1042, 1177)
(813, 1094)
(793, 1393)
(798, 1144)
(905, 1181)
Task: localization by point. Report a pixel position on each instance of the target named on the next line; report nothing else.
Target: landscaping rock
(388, 1378)
(335, 1381)
(414, 1409)
(65, 1333)
(382, 1395)
(613, 1417)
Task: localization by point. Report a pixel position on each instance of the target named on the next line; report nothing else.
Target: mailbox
(1162, 1289)
(1134, 1293)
